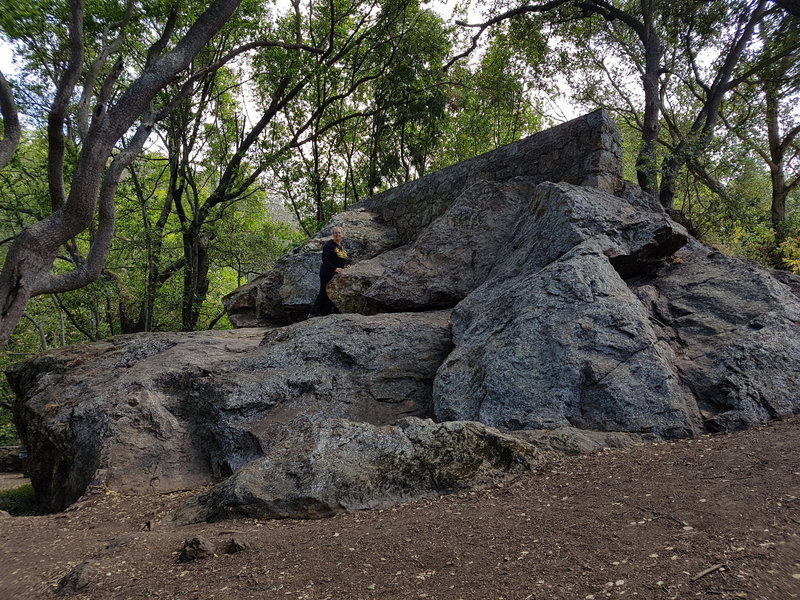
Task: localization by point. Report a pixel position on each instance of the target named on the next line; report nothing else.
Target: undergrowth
(19, 501)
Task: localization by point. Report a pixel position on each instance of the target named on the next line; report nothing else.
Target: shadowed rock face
(449, 258)
(571, 310)
(735, 333)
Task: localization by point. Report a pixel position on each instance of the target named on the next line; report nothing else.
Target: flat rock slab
(323, 467)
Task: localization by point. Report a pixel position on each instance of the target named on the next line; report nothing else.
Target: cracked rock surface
(527, 290)
(159, 413)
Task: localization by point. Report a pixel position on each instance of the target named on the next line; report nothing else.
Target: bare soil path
(9, 481)
(715, 517)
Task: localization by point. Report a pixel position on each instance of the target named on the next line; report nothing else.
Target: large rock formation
(585, 151)
(528, 289)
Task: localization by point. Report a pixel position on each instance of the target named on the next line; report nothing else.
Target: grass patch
(19, 501)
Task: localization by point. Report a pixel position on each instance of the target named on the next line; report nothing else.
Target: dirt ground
(715, 517)
(9, 481)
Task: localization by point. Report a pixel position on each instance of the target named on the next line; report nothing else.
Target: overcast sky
(5, 59)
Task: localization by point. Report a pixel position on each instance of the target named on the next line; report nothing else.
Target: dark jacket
(333, 257)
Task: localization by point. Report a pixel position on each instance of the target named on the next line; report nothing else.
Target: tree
(495, 102)
(643, 26)
(117, 108)
(662, 43)
(762, 118)
(370, 120)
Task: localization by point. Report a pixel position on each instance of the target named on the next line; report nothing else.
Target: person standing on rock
(334, 260)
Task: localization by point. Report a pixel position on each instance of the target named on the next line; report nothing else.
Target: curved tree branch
(32, 254)
(93, 73)
(58, 111)
(91, 268)
(510, 14)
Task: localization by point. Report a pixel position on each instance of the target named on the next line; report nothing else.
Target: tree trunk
(26, 272)
(195, 281)
(646, 162)
(776, 171)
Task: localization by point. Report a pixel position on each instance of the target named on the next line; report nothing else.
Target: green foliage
(739, 222)
(19, 501)
(370, 120)
(8, 433)
(790, 251)
(497, 103)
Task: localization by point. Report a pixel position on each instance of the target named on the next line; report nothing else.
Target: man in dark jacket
(334, 260)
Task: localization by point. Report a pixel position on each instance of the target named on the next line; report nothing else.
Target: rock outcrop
(114, 413)
(585, 151)
(557, 338)
(286, 294)
(158, 413)
(735, 331)
(320, 467)
(527, 290)
(446, 261)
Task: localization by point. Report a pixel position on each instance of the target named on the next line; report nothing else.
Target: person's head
(337, 234)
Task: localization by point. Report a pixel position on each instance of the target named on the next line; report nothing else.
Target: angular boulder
(568, 345)
(735, 332)
(447, 260)
(114, 413)
(158, 413)
(585, 151)
(374, 369)
(556, 338)
(322, 467)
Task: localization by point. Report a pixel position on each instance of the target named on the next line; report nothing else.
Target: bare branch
(739, 132)
(611, 13)
(155, 50)
(188, 86)
(789, 139)
(93, 73)
(39, 330)
(763, 63)
(58, 111)
(598, 7)
(73, 319)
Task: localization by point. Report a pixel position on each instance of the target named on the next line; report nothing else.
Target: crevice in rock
(589, 373)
